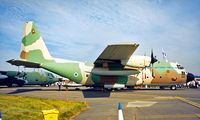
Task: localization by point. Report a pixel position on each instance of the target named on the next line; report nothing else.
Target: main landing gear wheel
(173, 87)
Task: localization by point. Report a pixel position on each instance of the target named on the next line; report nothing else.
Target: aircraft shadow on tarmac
(87, 93)
(24, 90)
(91, 93)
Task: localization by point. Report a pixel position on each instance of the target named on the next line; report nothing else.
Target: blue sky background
(81, 29)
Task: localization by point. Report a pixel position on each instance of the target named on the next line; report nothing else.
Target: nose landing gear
(173, 87)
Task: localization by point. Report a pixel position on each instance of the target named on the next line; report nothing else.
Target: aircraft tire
(77, 89)
(108, 89)
(9, 84)
(20, 85)
(173, 87)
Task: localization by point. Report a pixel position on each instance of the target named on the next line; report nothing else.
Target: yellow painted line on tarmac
(141, 104)
(156, 98)
(188, 102)
(192, 98)
(164, 98)
(159, 98)
(198, 115)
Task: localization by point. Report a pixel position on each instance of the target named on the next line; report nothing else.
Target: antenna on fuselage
(164, 55)
(145, 66)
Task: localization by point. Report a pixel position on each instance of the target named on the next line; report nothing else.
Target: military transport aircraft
(115, 68)
(27, 78)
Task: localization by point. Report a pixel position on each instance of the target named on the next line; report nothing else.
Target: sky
(81, 29)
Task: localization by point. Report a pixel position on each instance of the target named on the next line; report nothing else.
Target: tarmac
(140, 104)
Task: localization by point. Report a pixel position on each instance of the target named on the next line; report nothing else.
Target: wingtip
(124, 43)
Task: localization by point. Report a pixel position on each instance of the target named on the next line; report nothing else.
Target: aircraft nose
(190, 77)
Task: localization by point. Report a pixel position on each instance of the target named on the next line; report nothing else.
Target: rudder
(33, 47)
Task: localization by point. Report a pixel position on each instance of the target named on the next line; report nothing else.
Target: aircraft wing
(113, 55)
(24, 63)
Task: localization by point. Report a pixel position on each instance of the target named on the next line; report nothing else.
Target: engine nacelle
(138, 61)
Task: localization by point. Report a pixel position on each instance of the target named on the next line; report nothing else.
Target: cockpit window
(183, 73)
(50, 75)
(180, 67)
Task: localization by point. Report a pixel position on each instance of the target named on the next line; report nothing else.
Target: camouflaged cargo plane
(116, 67)
(27, 78)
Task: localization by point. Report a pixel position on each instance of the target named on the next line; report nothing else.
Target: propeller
(153, 60)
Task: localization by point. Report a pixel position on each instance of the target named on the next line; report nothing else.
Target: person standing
(59, 84)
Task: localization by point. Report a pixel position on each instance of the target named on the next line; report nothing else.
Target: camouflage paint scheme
(32, 78)
(34, 50)
(39, 78)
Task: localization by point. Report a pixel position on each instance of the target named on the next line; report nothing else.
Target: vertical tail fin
(33, 47)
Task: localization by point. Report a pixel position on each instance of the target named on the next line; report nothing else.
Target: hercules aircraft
(115, 68)
(27, 78)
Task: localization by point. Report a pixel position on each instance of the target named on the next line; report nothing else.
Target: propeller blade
(153, 58)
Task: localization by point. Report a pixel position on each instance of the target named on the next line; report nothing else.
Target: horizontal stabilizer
(24, 63)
